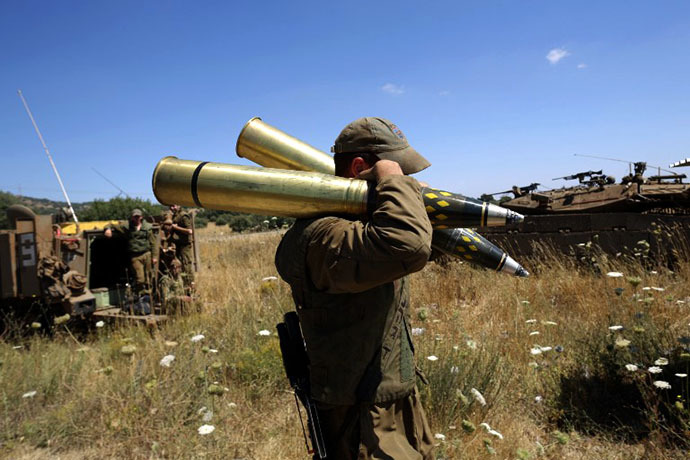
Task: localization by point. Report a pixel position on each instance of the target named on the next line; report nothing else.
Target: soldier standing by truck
(168, 247)
(183, 238)
(141, 244)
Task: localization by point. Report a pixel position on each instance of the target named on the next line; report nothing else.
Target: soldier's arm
(353, 256)
(185, 225)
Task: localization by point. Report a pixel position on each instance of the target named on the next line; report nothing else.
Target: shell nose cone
(521, 272)
(513, 217)
(512, 267)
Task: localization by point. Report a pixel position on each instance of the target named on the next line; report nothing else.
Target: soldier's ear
(357, 165)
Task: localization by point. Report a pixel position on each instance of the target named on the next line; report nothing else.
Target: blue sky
(115, 86)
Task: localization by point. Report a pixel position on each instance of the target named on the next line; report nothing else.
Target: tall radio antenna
(50, 158)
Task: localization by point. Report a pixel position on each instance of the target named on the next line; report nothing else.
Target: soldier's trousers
(184, 254)
(141, 266)
(393, 430)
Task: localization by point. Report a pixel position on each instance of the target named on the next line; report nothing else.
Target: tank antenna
(630, 163)
(50, 158)
(122, 192)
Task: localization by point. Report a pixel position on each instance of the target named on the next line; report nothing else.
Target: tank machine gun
(515, 190)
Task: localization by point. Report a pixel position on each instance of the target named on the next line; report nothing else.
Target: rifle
(296, 363)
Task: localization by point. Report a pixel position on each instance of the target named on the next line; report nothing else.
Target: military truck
(50, 268)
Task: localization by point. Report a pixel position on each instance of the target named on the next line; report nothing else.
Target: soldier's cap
(167, 221)
(137, 212)
(382, 138)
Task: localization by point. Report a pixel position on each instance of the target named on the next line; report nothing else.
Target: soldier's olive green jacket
(138, 241)
(349, 286)
(184, 220)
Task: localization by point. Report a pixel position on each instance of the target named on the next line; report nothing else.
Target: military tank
(638, 214)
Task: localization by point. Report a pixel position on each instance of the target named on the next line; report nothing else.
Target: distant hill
(115, 208)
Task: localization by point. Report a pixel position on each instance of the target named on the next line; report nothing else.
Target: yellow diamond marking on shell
(477, 239)
(443, 203)
(442, 217)
(468, 257)
(461, 249)
(445, 193)
(473, 247)
(469, 230)
(430, 209)
(466, 239)
(431, 195)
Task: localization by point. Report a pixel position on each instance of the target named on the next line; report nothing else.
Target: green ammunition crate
(102, 298)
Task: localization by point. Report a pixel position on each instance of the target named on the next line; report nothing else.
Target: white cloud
(582, 65)
(392, 88)
(556, 55)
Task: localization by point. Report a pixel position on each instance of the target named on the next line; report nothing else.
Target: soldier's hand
(381, 169)
(108, 233)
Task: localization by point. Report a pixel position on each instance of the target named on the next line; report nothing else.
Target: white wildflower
(232, 405)
(167, 360)
(202, 410)
(440, 437)
(631, 367)
(454, 370)
(456, 347)
(658, 289)
(646, 288)
(538, 399)
(680, 302)
(471, 344)
(531, 321)
(170, 344)
(207, 416)
(654, 370)
(490, 430)
(432, 358)
(478, 396)
(622, 343)
(617, 327)
(534, 333)
(100, 324)
(546, 348)
(197, 338)
(614, 275)
(549, 323)
(662, 385)
(269, 279)
(533, 364)
(653, 272)
(682, 376)
(29, 394)
(536, 350)
(264, 332)
(18, 347)
(206, 429)
(661, 362)
(418, 330)
(212, 350)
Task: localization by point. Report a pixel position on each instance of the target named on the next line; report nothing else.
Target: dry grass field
(567, 364)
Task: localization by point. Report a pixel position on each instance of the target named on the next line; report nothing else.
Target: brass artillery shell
(273, 148)
(460, 243)
(257, 190)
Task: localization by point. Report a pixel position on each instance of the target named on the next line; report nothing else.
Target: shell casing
(257, 190)
(273, 148)
(468, 245)
(450, 210)
(270, 147)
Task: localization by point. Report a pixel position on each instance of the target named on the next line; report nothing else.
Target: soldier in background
(172, 289)
(168, 247)
(183, 236)
(141, 244)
